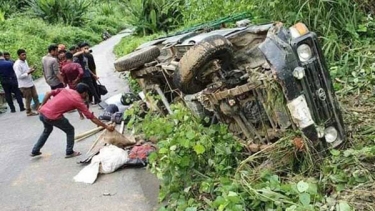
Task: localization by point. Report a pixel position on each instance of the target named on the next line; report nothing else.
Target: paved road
(46, 183)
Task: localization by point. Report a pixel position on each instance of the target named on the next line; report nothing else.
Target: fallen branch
(87, 134)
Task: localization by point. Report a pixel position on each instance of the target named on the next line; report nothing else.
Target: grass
(20, 30)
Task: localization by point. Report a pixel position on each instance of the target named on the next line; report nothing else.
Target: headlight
(330, 134)
(299, 72)
(304, 52)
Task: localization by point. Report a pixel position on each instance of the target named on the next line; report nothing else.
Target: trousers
(64, 125)
(9, 88)
(30, 94)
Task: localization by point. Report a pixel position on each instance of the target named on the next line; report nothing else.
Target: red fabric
(62, 64)
(141, 151)
(70, 72)
(64, 100)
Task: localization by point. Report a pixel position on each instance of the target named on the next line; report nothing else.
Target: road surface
(46, 182)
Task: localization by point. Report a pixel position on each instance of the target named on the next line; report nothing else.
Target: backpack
(138, 155)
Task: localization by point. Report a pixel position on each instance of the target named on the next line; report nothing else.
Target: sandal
(74, 154)
(35, 154)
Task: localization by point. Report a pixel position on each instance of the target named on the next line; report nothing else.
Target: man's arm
(55, 69)
(63, 75)
(19, 73)
(49, 94)
(85, 111)
(80, 74)
(100, 123)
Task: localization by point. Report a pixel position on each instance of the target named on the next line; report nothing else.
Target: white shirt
(21, 68)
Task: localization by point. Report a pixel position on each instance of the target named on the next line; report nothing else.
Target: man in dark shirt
(71, 72)
(92, 67)
(7, 56)
(88, 75)
(9, 83)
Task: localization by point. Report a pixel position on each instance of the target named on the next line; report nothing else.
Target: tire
(137, 58)
(192, 64)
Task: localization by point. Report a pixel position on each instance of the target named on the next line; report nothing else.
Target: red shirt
(62, 63)
(64, 100)
(70, 72)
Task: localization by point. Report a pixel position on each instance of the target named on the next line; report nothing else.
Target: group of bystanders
(72, 78)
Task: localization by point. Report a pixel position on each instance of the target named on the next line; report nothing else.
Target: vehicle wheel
(137, 58)
(188, 76)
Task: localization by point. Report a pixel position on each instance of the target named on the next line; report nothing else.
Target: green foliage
(34, 34)
(151, 16)
(191, 159)
(203, 168)
(129, 43)
(197, 11)
(71, 12)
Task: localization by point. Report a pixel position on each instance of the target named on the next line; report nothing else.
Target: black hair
(6, 53)
(52, 47)
(83, 44)
(72, 48)
(82, 88)
(20, 51)
(68, 55)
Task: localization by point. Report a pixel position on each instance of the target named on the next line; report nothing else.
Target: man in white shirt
(25, 81)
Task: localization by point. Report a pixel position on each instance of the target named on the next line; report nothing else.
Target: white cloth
(21, 68)
(109, 159)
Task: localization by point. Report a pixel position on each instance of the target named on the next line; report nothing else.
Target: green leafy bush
(151, 16)
(191, 159)
(196, 11)
(71, 12)
(34, 35)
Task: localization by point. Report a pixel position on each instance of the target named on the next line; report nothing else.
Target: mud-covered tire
(137, 58)
(192, 63)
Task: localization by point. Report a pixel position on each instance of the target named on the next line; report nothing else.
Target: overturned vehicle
(259, 80)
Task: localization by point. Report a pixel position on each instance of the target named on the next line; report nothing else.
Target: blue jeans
(64, 125)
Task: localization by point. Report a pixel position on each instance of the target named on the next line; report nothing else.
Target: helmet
(129, 98)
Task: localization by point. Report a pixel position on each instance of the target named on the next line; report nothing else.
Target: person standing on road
(51, 68)
(92, 67)
(52, 115)
(25, 81)
(71, 72)
(9, 83)
(81, 59)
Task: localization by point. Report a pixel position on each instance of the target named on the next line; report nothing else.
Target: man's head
(69, 56)
(83, 90)
(84, 46)
(6, 55)
(21, 54)
(61, 55)
(53, 50)
(73, 49)
(61, 47)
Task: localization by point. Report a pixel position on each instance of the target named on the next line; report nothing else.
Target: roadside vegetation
(206, 168)
(35, 24)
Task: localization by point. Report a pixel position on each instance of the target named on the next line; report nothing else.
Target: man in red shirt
(51, 114)
(71, 72)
